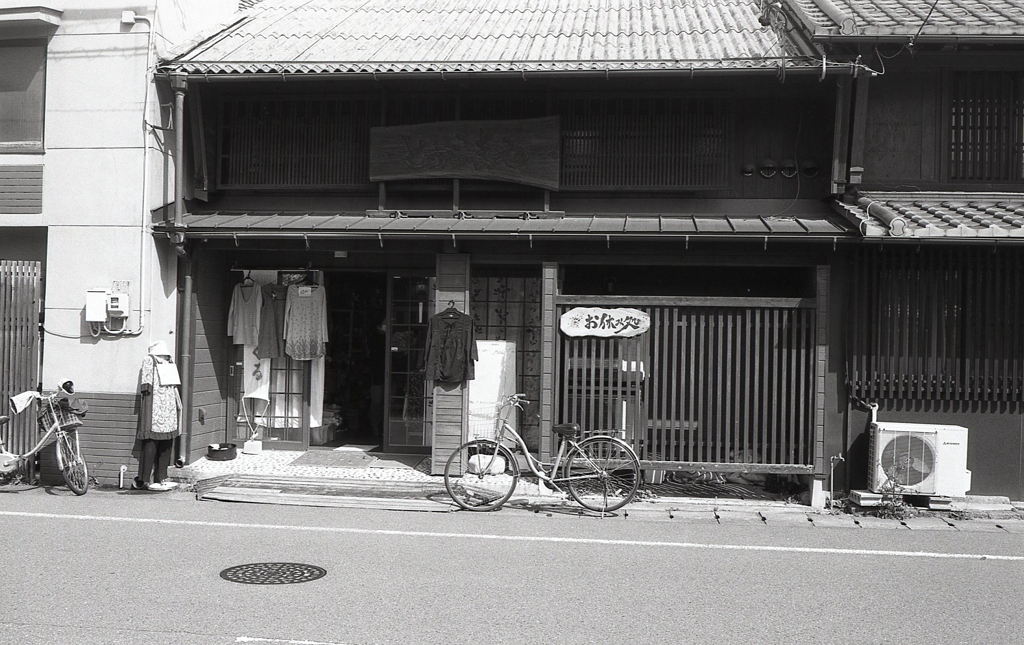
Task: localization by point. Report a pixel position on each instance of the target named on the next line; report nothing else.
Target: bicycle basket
(64, 417)
(484, 421)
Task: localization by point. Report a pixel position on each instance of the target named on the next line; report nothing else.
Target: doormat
(403, 462)
(334, 459)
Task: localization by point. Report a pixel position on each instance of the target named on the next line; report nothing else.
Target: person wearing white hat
(161, 418)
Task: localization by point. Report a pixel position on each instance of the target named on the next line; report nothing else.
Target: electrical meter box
(96, 305)
(117, 305)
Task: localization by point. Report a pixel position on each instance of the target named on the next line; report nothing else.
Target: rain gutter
(782, 69)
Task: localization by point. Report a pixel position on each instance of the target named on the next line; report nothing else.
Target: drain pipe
(185, 269)
(179, 84)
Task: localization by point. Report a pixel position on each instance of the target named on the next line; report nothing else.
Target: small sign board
(621, 322)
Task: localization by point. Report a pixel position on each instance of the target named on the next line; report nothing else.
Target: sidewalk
(404, 482)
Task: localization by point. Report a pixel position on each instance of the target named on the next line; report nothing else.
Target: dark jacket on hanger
(451, 347)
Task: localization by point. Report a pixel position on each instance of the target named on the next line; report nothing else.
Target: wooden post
(449, 409)
(548, 381)
(821, 369)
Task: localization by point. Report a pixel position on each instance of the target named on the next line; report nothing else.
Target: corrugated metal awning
(347, 37)
(221, 224)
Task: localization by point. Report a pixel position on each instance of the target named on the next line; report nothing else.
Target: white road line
(525, 538)
(254, 639)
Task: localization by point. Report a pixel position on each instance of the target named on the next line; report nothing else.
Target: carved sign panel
(523, 151)
(621, 322)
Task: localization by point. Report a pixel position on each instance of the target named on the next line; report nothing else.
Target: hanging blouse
(271, 336)
(305, 322)
(244, 314)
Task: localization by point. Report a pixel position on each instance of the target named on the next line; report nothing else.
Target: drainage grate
(272, 573)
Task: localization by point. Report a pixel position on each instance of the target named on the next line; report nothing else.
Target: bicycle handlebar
(516, 399)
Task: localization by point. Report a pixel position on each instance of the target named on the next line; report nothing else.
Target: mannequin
(161, 418)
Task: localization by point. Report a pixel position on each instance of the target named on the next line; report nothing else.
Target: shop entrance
(375, 394)
(368, 390)
(355, 370)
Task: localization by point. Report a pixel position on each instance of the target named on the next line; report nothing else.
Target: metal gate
(21, 288)
(727, 383)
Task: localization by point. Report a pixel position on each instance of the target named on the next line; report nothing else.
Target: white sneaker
(162, 486)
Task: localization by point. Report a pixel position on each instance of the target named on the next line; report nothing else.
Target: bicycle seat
(567, 429)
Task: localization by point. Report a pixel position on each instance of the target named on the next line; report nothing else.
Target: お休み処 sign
(606, 323)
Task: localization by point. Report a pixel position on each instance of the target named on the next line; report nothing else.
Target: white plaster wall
(104, 171)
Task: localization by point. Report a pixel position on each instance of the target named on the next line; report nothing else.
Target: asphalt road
(114, 567)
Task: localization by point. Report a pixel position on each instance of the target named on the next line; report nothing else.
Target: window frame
(966, 172)
(39, 145)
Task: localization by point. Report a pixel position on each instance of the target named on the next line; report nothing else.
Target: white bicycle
(601, 472)
(54, 419)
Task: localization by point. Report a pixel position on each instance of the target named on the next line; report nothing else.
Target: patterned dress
(305, 322)
(164, 404)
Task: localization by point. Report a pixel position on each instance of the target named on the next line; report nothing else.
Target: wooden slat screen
(987, 126)
(296, 142)
(937, 324)
(631, 143)
(716, 381)
(659, 142)
(21, 189)
(20, 300)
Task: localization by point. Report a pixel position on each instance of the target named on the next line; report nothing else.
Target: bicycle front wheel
(70, 462)
(481, 475)
(602, 474)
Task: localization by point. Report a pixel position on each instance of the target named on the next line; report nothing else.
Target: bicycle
(601, 472)
(54, 418)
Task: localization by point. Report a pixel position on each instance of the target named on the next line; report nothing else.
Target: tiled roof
(446, 224)
(937, 215)
(946, 19)
(311, 36)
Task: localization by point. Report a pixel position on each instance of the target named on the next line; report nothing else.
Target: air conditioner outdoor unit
(919, 459)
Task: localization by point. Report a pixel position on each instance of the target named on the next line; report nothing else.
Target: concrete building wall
(104, 170)
(107, 164)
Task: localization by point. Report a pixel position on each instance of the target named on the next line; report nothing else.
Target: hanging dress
(164, 418)
(244, 314)
(305, 322)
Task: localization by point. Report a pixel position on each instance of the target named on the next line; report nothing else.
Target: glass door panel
(279, 421)
(409, 402)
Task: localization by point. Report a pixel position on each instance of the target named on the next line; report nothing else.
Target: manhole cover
(272, 573)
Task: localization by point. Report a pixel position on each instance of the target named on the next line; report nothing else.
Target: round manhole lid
(273, 573)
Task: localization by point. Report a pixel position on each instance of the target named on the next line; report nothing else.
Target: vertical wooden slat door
(20, 297)
(711, 383)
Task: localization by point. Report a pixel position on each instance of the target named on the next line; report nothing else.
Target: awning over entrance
(421, 224)
(945, 215)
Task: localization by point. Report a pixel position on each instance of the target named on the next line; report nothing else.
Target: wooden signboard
(523, 151)
(621, 322)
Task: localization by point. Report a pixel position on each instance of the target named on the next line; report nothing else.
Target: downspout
(186, 346)
(179, 85)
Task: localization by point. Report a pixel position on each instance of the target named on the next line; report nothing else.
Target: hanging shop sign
(523, 151)
(620, 322)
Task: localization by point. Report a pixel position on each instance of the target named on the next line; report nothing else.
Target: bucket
(221, 451)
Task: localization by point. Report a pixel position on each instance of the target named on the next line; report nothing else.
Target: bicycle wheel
(70, 462)
(602, 474)
(481, 475)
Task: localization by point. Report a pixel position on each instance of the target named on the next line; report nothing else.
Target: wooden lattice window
(301, 142)
(986, 126)
(646, 142)
(937, 324)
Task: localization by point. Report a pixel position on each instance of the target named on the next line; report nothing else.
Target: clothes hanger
(451, 311)
(247, 280)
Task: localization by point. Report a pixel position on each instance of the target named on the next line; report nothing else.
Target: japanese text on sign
(604, 323)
